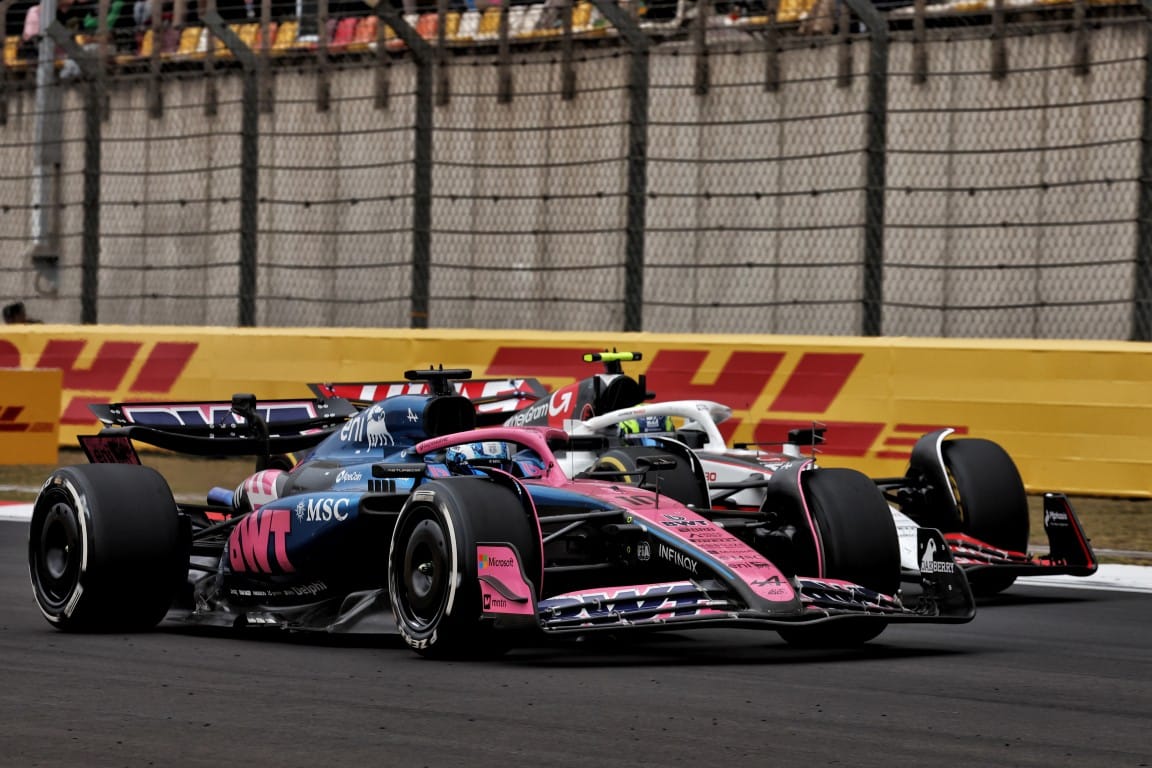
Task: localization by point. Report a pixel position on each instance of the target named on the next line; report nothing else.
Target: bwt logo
(107, 371)
(802, 385)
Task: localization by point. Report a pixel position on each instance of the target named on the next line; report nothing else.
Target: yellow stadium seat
(249, 34)
(451, 24)
(489, 28)
(791, 11)
(189, 45)
(285, 38)
(581, 16)
(146, 44)
(12, 58)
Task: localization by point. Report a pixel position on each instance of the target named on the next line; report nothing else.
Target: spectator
(15, 314)
(142, 14)
(92, 21)
(30, 37)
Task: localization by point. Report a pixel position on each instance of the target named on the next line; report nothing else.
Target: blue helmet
(462, 454)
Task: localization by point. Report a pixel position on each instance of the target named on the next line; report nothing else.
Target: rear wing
(240, 427)
(498, 397)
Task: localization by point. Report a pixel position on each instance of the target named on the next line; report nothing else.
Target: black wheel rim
(57, 553)
(425, 574)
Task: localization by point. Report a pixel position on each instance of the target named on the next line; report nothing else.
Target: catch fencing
(960, 170)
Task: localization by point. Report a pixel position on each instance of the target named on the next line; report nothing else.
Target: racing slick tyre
(680, 483)
(106, 549)
(856, 542)
(992, 501)
(432, 564)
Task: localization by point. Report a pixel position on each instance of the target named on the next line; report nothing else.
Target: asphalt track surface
(1043, 676)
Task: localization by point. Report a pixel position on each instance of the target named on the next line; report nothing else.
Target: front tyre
(105, 550)
(854, 539)
(992, 502)
(432, 564)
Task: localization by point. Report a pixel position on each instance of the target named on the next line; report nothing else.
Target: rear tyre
(679, 483)
(105, 550)
(857, 543)
(432, 564)
(993, 503)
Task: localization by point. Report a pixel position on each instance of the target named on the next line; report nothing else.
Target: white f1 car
(969, 488)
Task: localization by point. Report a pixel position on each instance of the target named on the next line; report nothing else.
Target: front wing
(1069, 549)
(945, 597)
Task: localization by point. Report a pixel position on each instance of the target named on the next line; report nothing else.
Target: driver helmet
(462, 454)
(647, 425)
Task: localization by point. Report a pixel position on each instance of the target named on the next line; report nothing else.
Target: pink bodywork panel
(646, 508)
(698, 532)
(503, 587)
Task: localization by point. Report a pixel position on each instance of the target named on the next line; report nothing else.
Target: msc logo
(323, 510)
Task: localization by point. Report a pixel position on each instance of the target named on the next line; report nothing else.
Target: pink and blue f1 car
(404, 518)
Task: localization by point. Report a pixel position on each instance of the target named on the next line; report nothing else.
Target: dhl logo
(98, 373)
(10, 421)
(806, 391)
(770, 392)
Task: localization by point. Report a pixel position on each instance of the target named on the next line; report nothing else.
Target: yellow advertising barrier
(1074, 415)
(29, 416)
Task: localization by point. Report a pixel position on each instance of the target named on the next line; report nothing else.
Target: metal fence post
(567, 54)
(876, 169)
(4, 5)
(1142, 298)
(91, 67)
(772, 49)
(638, 85)
(425, 59)
(249, 164)
(323, 60)
(702, 74)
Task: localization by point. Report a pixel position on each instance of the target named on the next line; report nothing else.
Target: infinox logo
(813, 382)
(101, 372)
